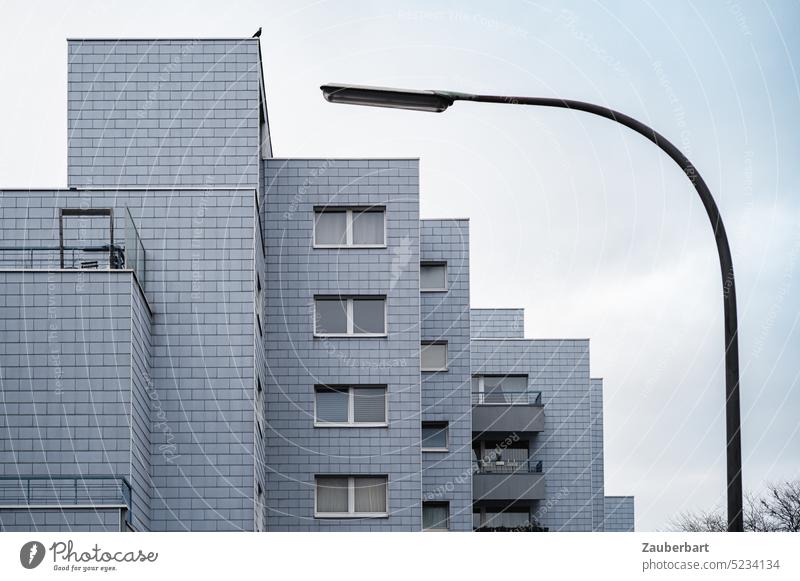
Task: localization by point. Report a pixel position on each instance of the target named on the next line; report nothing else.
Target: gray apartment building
(197, 335)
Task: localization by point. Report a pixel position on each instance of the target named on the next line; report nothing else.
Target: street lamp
(438, 101)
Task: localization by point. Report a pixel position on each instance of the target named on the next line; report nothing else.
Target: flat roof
(141, 38)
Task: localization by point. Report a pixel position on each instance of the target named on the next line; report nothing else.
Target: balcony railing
(507, 466)
(100, 257)
(68, 254)
(507, 398)
(64, 491)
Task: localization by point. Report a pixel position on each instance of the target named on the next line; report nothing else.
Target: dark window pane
(434, 435)
(432, 277)
(332, 405)
(369, 405)
(368, 227)
(433, 357)
(368, 316)
(331, 316)
(330, 227)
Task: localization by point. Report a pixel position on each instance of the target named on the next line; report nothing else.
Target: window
(350, 405)
(433, 276)
(351, 496)
(434, 436)
(350, 227)
(259, 400)
(259, 304)
(503, 390)
(435, 516)
(345, 316)
(433, 356)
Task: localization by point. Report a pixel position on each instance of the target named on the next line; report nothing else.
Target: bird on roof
(258, 33)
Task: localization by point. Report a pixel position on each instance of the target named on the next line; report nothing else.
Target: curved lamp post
(438, 101)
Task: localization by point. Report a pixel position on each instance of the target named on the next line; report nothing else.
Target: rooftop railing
(70, 255)
(99, 257)
(507, 398)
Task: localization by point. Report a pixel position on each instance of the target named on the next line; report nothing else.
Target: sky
(588, 226)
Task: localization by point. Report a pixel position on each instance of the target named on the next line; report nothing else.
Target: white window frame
(446, 437)
(351, 423)
(349, 211)
(351, 497)
(349, 314)
(446, 356)
(434, 263)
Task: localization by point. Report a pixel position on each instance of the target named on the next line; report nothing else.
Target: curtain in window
(369, 405)
(368, 227)
(370, 495)
(330, 227)
(331, 494)
(435, 515)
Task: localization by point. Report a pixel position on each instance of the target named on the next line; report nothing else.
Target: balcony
(65, 492)
(507, 412)
(75, 252)
(507, 480)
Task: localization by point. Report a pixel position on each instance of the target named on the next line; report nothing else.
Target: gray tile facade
(163, 112)
(619, 514)
(297, 360)
(447, 476)
(199, 389)
(193, 376)
(559, 369)
(598, 459)
(498, 323)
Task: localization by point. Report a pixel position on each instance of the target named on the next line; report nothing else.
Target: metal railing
(507, 398)
(135, 254)
(507, 466)
(65, 491)
(100, 257)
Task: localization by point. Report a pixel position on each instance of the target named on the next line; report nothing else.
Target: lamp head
(431, 101)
